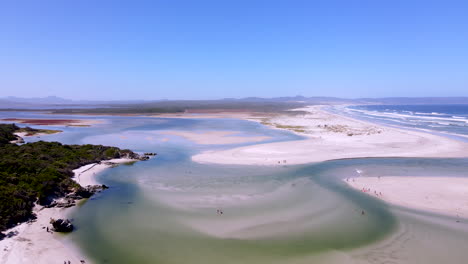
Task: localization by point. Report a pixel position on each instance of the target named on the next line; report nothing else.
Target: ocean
(448, 120)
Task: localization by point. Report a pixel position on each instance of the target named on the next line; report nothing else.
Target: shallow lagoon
(165, 210)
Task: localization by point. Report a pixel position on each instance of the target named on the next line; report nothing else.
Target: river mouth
(168, 209)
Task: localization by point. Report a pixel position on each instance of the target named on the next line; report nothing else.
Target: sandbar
(443, 195)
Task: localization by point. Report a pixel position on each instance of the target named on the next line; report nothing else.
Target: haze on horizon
(100, 50)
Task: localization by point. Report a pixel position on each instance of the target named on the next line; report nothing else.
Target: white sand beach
(215, 137)
(33, 244)
(443, 195)
(85, 175)
(330, 136)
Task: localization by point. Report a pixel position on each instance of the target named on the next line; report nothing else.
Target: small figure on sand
(362, 212)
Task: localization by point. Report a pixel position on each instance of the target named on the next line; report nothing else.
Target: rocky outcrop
(136, 156)
(62, 203)
(129, 155)
(18, 140)
(62, 225)
(143, 157)
(86, 192)
(80, 193)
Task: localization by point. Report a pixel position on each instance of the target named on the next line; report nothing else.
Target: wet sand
(443, 195)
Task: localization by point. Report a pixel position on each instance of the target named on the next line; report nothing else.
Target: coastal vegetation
(40, 172)
(187, 106)
(299, 129)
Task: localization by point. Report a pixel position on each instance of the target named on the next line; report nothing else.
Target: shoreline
(33, 244)
(331, 136)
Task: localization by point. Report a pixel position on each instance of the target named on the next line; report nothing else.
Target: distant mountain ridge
(62, 101)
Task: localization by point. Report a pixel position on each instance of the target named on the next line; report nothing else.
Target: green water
(297, 214)
(285, 215)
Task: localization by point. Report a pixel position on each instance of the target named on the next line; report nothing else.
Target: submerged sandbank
(215, 137)
(31, 243)
(443, 195)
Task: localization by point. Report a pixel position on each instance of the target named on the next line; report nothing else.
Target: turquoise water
(165, 210)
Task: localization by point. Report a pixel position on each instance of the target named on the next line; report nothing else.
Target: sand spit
(33, 244)
(443, 195)
(331, 136)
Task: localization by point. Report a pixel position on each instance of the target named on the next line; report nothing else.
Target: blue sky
(215, 49)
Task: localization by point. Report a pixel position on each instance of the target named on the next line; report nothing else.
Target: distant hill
(52, 102)
(39, 100)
